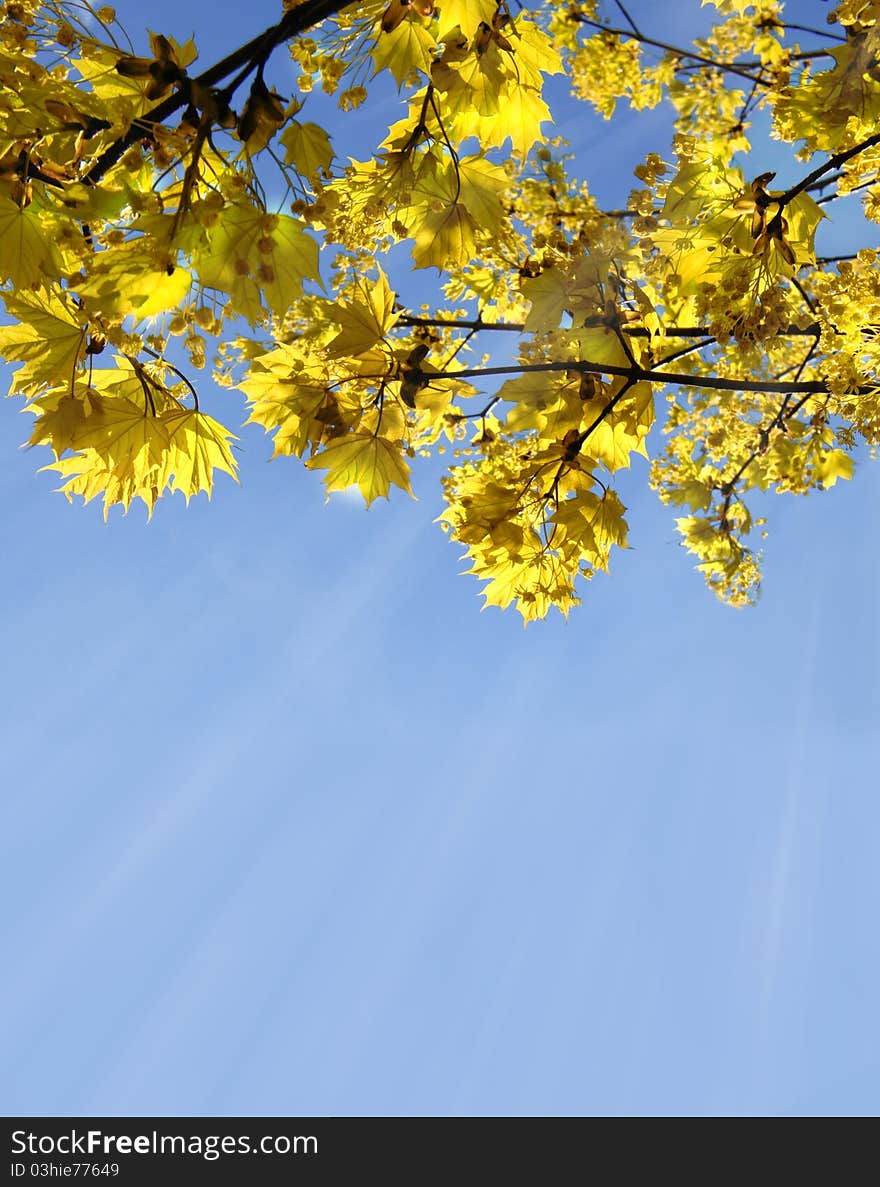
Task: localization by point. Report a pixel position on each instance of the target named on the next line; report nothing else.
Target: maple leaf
(520, 115)
(363, 322)
(407, 48)
(480, 183)
(833, 465)
(252, 255)
(287, 409)
(130, 279)
(307, 147)
(48, 339)
(63, 418)
(26, 255)
(198, 445)
(363, 460)
(444, 237)
(549, 297)
(466, 15)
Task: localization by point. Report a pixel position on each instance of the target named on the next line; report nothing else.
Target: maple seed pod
(589, 386)
(498, 22)
(161, 47)
(190, 119)
(71, 118)
(394, 14)
(247, 122)
(571, 445)
(133, 67)
(262, 104)
(225, 116)
(786, 251)
(413, 379)
(482, 39)
(411, 382)
(164, 76)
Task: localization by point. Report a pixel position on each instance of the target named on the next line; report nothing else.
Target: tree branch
(256, 51)
(833, 162)
(463, 323)
(640, 375)
(743, 69)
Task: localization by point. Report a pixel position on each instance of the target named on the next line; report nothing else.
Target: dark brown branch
(846, 193)
(642, 375)
(778, 422)
(682, 351)
(809, 29)
(609, 407)
(463, 323)
(833, 162)
(743, 69)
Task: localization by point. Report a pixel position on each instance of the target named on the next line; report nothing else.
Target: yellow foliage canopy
(156, 216)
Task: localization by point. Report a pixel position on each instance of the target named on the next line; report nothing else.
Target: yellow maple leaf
(307, 148)
(833, 465)
(480, 183)
(407, 48)
(199, 445)
(445, 236)
(520, 115)
(123, 457)
(466, 14)
(130, 279)
(363, 322)
(360, 459)
(534, 52)
(607, 519)
(25, 246)
(62, 418)
(252, 255)
(126, 436)
(287, 408)
(532, 578)
(48, 339)
(549, 296)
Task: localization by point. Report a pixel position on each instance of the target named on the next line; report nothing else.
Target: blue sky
(291, 827)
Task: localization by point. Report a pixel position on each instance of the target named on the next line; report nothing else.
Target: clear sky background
(290, 827)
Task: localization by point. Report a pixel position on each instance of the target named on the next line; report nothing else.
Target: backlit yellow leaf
(307, 147)
(365, 321)
(48, 339)
(25, 251)
(444, 237)
(407, 48)
(370, 463)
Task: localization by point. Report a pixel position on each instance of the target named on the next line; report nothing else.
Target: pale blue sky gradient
(291, 827)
